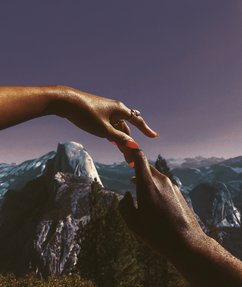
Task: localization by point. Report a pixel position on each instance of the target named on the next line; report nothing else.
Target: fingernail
(114, 143)
(131, 144)
(131, 164)
(157, 135)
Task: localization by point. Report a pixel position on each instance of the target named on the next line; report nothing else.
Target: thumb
(129, 213)
(124, 142)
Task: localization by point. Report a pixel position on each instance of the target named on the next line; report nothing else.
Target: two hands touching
(99, 116)
(162, 217)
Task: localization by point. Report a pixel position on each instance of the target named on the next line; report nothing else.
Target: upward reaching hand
(164, 221)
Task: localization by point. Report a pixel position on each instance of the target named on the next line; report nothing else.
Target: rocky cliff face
(221, 218)
(70, 157)
(214, 205)
(212, 187)
(43, 203)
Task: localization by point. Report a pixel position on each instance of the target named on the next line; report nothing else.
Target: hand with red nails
(100, 116)
(164, 221)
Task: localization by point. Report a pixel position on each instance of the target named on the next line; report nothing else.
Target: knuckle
(120, 105)
(141, 121)
(165, 179)
(106, 129)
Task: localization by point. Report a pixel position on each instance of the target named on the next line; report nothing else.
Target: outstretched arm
(166, 223)
(100, 116)
(19, 104)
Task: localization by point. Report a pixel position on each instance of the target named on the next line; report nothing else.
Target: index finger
(137, 121)
(144, 179)
(142, 166)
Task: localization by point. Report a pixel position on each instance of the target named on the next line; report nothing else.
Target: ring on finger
(134, 113)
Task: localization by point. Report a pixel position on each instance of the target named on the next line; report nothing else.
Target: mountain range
(44, 200)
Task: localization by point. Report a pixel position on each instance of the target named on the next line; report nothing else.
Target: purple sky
(178, 62)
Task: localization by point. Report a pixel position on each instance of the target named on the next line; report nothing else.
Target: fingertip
(131, 144)
(152, 134)
(118, 137)
(131, 164)
(142, 166)
(138, 154)
(148, 131)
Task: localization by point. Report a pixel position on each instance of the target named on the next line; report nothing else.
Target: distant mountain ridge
(44, 200)
(195, 162)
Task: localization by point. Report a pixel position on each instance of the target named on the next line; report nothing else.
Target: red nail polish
(139, 153)
(131, 164)
(114, 143)
(131, 144)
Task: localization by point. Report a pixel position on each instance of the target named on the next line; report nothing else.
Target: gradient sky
(177, 61)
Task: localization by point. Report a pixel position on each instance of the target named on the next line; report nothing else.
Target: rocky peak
(213, 203)
(44, 202)
(71, 157)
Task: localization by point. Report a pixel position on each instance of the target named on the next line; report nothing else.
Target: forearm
(204, 262)
(19, 104)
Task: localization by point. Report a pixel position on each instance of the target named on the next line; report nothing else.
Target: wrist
(187, 255)
(186, 244)
(58, 99)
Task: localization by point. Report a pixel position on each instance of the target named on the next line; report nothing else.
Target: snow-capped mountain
(214, 205)
(196, 162)
(43, 202)
(213, 191)
(70, 157)
(226, 171)
(15, 176)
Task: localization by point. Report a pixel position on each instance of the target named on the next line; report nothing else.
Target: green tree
(111, 255)
(92, 236)
(162, 166)
(123, 267)
(31, 280)
(174, 278)
(108, 250)
(154, 266)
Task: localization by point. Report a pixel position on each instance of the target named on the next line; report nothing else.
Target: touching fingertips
(131, 164)
(131, 144)
(139, 153)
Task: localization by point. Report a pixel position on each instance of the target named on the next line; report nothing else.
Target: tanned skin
(94, 114)
(91, 113)
(165, 222)
(162, 218)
